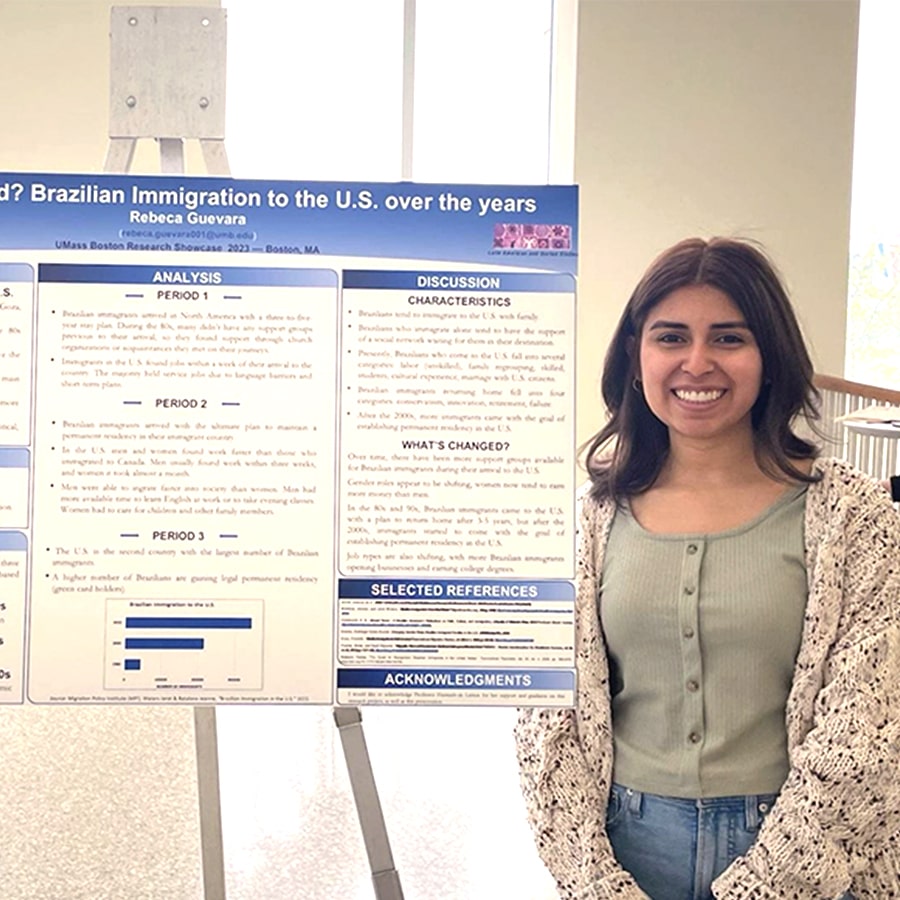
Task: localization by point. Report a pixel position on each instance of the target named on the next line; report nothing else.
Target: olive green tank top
(702, 632)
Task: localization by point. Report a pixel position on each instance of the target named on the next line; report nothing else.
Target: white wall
(702, 117)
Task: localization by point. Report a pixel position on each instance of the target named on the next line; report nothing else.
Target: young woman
(737, 727)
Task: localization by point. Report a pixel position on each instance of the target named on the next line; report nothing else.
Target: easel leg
(171, 156)
(385, 877)
(214, 157)
(119, 154)
(211, 845)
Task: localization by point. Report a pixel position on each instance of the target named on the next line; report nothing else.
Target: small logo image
(510, 235)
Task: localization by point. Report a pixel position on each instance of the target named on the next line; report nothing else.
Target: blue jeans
(676, 848)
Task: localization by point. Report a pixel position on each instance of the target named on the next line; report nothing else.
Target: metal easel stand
(167, 82)
(385, 877)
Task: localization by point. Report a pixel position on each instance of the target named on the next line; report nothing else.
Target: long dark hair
(626, 456)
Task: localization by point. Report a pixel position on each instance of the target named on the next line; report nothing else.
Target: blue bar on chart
(187, 622)
(132, 665)
(154, 643)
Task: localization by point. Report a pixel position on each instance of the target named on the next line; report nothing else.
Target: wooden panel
(167, 72)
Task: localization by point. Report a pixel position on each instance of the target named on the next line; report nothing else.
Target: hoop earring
(636, 384)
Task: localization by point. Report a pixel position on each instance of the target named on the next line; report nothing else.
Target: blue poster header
(13, 540)
(460, 281)
(458, 679)
(192, 276)
(427, 589)
(524, 226)
(13, 272)
(14, 458)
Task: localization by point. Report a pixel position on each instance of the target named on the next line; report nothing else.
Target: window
(873, 315)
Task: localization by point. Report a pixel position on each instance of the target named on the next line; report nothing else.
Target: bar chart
(165, 645)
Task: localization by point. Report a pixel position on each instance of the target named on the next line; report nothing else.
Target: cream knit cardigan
(836, 825)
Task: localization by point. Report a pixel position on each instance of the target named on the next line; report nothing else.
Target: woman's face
(699, 363)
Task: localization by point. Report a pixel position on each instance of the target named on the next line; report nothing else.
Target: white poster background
(185, 452)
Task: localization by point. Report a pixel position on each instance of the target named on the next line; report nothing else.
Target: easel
(167, 82)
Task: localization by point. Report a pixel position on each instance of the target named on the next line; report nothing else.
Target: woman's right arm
(566, 811)
(565, 793)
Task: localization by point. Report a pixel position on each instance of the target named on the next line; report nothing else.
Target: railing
(876, 455)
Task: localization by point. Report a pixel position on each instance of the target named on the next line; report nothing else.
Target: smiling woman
(737, 728)
(699, 365)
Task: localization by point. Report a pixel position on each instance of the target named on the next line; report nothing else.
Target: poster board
(286, 442)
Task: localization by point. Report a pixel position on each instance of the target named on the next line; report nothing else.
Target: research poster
(277, 442)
